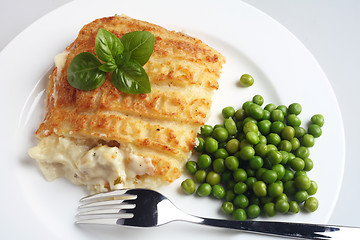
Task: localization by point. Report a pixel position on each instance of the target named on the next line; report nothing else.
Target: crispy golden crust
(163, 124)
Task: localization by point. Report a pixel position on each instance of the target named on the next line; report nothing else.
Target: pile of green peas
(257, 161)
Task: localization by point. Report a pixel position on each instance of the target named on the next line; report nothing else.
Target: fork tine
(118, 194)
(102, 221)
(110, 203)
(103, 211)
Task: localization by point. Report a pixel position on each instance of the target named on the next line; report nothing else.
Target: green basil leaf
(122, 59)
(107, 45)
(140, 44)
(108, 67)
(83, 72)
(131, 78)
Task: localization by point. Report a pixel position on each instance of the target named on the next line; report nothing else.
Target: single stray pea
(246, 80)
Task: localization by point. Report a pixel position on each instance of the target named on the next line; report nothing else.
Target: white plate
(252, 42)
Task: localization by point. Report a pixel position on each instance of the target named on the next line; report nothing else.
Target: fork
(148, 208)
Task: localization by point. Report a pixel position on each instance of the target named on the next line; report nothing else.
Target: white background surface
(328, 28)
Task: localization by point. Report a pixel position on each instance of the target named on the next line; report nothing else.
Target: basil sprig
(124, 58)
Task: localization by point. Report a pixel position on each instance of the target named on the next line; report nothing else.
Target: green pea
(206, 130)
(301, 196)
(273, 138)
(240, 175)
(285, 157)
(239, 214)
(204, 161)
(258, 99)
(230, 126)
(200, 176)
(293, 207)
(308, 164)
(213, 178)
(282, 206)
(261, 149)
(295, 108)
(275, 189)
(252, 138)
(191, 167)
(282, 196)
(259, 188)
(277, 115)
(311, 204)
(246, 104)
(240, 188)
(299, 132)
(249, 119)
(220, 134)
(269, 176)
(232, 163)
(256, 162)
(221, 153)
(274, 156)
(289, 175)
(241, 201)
(315, 130)
(253, 211)
(218, 191)
(297, 164)
(289, 187)
(295, 143)
(266, 115)
(204, 190)
(302, 152)
(246, 153)
(228, 112)
(283, 108)
(262, 139)
(318, 119)
(308, 140)
(288, 133)
(230, 195)
(200, 146)
(188, 186)
(264, 127)
(246, 80)
(211, 145)
(250, 127)
(280, 170)
(270, 107)
(302, 182)
(269, 209)
(277, 127)
(313, 188)
(285, 145)
(219, 165)
(250, 182)
(232, 146)
(240, 114)
(256, 111)
(293, 120)
(227, 207)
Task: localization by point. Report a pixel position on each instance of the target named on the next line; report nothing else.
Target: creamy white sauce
(59, 61)
(95, 167)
